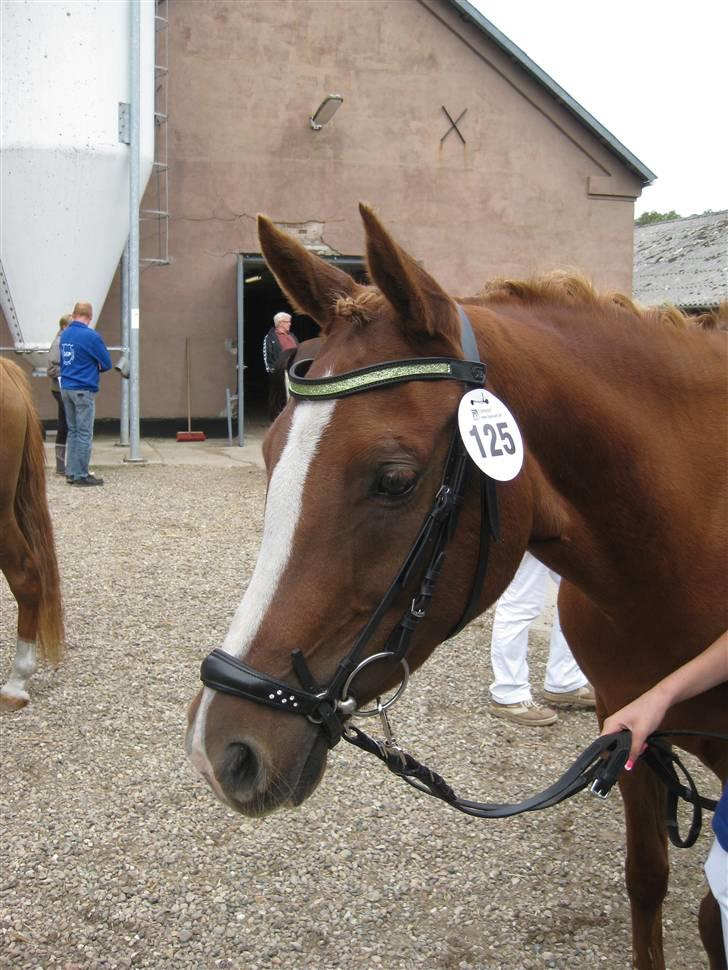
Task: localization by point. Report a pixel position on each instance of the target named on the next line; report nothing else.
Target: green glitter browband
(380, 375)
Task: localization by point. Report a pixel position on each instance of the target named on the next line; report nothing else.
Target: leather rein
(332, 707)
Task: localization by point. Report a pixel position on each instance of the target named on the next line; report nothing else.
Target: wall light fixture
(325, 111)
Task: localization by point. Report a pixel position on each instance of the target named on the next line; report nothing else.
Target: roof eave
(468, 11)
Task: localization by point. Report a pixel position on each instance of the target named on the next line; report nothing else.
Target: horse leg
(14, 693)
(647, 866)
(18, 564)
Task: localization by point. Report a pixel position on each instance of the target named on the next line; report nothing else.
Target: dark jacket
(54, 361)
(272, 349)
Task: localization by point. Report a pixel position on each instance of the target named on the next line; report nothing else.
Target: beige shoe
(581, 697)
(524, 712)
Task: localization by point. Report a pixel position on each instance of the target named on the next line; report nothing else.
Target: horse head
(351, 479)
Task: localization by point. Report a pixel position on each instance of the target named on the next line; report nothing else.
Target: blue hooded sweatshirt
(83, 357)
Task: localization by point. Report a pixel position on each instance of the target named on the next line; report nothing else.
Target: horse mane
(572, 288)
(559, 286)
(713, 319)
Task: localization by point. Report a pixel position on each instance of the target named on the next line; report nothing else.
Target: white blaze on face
(283, 509)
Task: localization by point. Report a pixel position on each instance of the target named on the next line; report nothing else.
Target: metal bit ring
(381, 705)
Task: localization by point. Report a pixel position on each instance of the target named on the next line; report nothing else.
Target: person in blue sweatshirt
(83, 358)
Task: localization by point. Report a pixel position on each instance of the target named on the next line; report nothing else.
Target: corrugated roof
(468, 11)
(684, 261)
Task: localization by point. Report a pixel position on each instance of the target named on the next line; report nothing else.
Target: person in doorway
(278, 339)
(565, 684)
(83, 357)
(645, 714)
(54, 371)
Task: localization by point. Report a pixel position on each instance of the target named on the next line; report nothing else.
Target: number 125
(493, 437)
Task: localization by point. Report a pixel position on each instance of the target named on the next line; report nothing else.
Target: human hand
(643, 716)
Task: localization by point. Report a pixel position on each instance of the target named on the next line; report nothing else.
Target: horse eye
(395, 482)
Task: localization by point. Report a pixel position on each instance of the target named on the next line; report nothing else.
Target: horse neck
(600, 414)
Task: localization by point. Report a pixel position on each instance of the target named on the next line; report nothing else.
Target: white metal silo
(64, 172)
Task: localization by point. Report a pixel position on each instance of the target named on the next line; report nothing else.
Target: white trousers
(716, 871)
(515, 611)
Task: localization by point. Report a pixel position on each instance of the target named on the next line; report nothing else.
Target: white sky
(652, 73)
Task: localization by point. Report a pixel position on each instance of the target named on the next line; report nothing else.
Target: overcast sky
(652, 73)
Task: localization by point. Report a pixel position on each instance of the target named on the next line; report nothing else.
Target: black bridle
(331, 706)
(597, 767)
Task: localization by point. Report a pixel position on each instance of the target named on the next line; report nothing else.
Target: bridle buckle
(444, 500)
(596, 788)
(417, 611)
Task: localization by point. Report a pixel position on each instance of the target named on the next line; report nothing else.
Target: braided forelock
(360, 309)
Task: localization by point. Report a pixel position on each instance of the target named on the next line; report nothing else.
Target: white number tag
(490, 434)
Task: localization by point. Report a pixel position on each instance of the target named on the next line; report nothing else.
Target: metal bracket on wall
(124, 123)
(453, 124)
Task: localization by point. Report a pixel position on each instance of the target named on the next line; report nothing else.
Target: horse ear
(423, 307)
(310, 283)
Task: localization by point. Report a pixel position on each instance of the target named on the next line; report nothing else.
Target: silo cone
(64, 70)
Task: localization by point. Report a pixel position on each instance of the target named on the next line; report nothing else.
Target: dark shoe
(89, 480)
(69, 480)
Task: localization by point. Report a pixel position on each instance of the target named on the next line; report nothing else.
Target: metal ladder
(158, 188)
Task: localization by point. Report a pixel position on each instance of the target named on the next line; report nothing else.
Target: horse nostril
(239, 758)
(241, 770)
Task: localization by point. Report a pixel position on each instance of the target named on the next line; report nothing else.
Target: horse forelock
(361, 308)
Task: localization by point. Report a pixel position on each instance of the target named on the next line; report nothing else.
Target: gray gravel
(115, 853)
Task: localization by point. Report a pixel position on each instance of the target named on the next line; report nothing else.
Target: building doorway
(259, 299)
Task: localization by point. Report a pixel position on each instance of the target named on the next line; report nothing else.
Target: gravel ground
(116, 854)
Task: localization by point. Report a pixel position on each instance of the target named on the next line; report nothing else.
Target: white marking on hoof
(14, 695)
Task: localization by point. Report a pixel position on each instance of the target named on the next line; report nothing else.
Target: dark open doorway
(261, 298)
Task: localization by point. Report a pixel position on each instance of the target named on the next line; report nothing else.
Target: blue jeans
(80, 407)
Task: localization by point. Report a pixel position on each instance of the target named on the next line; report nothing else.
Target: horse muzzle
(256, 764)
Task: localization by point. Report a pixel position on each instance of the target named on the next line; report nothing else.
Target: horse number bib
(490, 435)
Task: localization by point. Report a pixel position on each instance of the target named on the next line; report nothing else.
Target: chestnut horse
(622, 492)
(27, 550)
